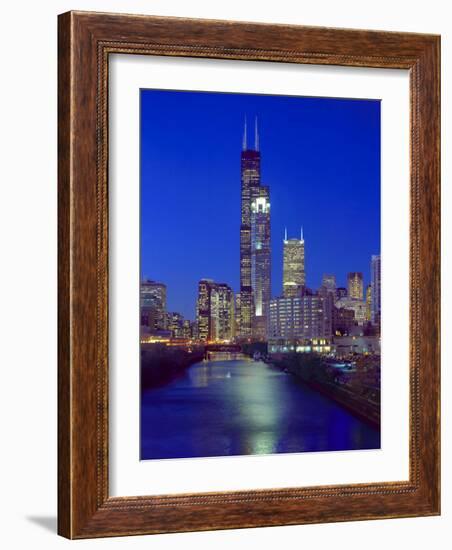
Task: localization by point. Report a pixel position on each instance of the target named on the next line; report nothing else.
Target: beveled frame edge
(85, 41)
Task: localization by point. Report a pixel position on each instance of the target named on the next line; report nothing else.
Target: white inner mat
(130, 476)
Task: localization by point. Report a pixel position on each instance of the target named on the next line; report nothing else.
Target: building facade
(359, 307)
(368, 303)
(343, 321)
(153, 305)
(294, 278)
(260, 260)
(355, 285)
(215, 312)
(375, 272)
(303, 317)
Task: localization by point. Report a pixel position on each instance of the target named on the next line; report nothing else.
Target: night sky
(320, 157)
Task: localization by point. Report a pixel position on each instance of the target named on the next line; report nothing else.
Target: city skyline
(358, 244)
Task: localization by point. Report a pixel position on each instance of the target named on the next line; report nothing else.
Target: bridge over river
(240, 407)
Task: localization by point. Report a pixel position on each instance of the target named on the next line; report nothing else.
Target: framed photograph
(248, 275)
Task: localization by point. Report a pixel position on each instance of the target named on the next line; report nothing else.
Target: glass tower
(376, 289)
(255, 254)
(260, 260)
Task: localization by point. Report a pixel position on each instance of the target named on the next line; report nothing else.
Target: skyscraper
(375, 272)
(329, 282)
(215, 311)
(368, 302)
(153, 305)
(175, 323)
(255, 255)
(260, 260)
(293, 266)
(355, 285)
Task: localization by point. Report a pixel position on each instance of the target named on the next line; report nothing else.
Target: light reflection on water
(239, 407)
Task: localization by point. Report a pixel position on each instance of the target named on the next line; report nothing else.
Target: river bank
(160, 364)
(351, 390)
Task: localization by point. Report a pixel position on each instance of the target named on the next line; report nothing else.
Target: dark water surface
(242, 407)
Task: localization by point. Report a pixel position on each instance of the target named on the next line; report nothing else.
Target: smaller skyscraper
(153, 305)
(375, 271)
(329, 282)
(175, 323)
(187, 329)
(294, 278)
(355, 285)
(341, 292)
(215, 311)
(359, 308)
(203, 310)
(368, 303)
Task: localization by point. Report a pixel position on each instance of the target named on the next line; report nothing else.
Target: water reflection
(238, 407)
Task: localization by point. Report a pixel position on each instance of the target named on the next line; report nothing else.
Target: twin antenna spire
(301, 234)
(256, 148)
(256, 136)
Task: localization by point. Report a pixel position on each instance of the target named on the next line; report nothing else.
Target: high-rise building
(293, 266)
(255, 254)
(359, 308)
(355, 285)
(203, 310)
(175, 323)
(260, 260)
(329, 282)
(223, 321)
(343, 321)
(341, 292)
(303, 317)
(215, 311)
(375, 271)
(153, 305)
(187, 329)
(327, 298)
(368, 303)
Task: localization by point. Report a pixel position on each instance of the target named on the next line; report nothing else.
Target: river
(243, 407)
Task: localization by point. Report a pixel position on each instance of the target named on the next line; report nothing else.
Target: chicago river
(243, 407)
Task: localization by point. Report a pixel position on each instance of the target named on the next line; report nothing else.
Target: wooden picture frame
(85, 42)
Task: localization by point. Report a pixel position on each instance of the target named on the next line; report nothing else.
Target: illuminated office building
(255, 254)
(368, 302)
(293, 266)
(355, 285)
(302, 317)
(260, 260)
(187, 329)
(175, 324)
(215, 311)
(153, 305)
(375, 272)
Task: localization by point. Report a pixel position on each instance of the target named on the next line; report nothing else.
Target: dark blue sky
(320, 157)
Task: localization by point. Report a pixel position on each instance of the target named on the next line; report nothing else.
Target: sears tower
(255, 253)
